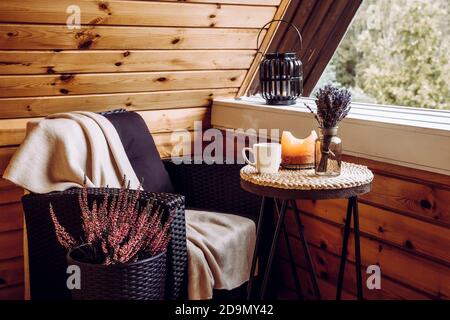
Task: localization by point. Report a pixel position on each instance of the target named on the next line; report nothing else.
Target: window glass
(396, 53)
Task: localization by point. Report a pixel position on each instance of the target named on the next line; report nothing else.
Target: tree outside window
(397, 53)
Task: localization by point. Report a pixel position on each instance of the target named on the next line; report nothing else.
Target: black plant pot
(141, 280)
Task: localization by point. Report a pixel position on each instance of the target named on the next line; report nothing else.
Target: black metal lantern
(281, 74)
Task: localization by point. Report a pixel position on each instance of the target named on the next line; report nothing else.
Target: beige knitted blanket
(220, 251)
(62, 149)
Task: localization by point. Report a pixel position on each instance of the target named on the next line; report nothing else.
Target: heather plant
(118, 230)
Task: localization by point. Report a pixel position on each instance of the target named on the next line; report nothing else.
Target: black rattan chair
(198, 186)
(207, 187)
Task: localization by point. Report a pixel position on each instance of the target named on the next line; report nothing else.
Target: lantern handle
(290, 24)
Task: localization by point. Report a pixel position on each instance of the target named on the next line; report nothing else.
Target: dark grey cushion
(141, 151)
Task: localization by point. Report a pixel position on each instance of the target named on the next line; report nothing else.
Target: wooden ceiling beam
(323, 24)
(335, 37)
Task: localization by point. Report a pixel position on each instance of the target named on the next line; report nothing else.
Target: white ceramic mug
(267, 157)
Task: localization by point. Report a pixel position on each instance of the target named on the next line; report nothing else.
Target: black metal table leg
(273, 248)
(257, 244)
(309, 263)
(298, 287)
(359, 287)
(348, 220)
(352, 210)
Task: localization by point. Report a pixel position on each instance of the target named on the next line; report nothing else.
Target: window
(396, 53)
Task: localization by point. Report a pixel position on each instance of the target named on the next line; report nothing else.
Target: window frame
(410, 137)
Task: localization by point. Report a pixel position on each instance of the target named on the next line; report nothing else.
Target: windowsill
(411, 137)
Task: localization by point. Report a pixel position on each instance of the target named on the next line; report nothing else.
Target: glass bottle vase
(328, 153)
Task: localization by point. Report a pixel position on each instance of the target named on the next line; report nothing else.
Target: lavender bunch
(333, 105)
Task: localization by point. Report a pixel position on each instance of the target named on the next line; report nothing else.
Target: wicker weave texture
(352, 175)
(214, 187)
(142, 280)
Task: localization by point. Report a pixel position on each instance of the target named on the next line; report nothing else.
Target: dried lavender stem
(325, 151)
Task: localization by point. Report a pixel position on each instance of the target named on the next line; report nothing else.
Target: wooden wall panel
(12, 293)
(5, 155)
(149, 13)
(13, 130)
(327, 268)
(165, 59)
(50, 37)
(163, 143)
(11, 272)
(412, 234)
(11, 244)
(421, 200)
(407, 268)
(135, 101)
(11, 217)
(9, 193)
(327, 290)
(68, 84)
(251, 2)
(71, 61)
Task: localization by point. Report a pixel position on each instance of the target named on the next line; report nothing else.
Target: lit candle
(297, 153)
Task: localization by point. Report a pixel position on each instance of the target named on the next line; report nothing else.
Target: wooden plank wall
(165, 59)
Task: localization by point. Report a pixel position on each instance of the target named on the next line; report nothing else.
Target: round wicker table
(286, 187)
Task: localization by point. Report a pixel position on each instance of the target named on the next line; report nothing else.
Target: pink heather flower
(120, 228)
(64, 238)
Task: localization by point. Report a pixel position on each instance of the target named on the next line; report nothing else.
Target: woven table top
(352, 175)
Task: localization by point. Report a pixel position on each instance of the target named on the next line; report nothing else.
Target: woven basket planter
(141, 280)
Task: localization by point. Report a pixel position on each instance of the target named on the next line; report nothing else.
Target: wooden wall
(165, 59)
(405, 226)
